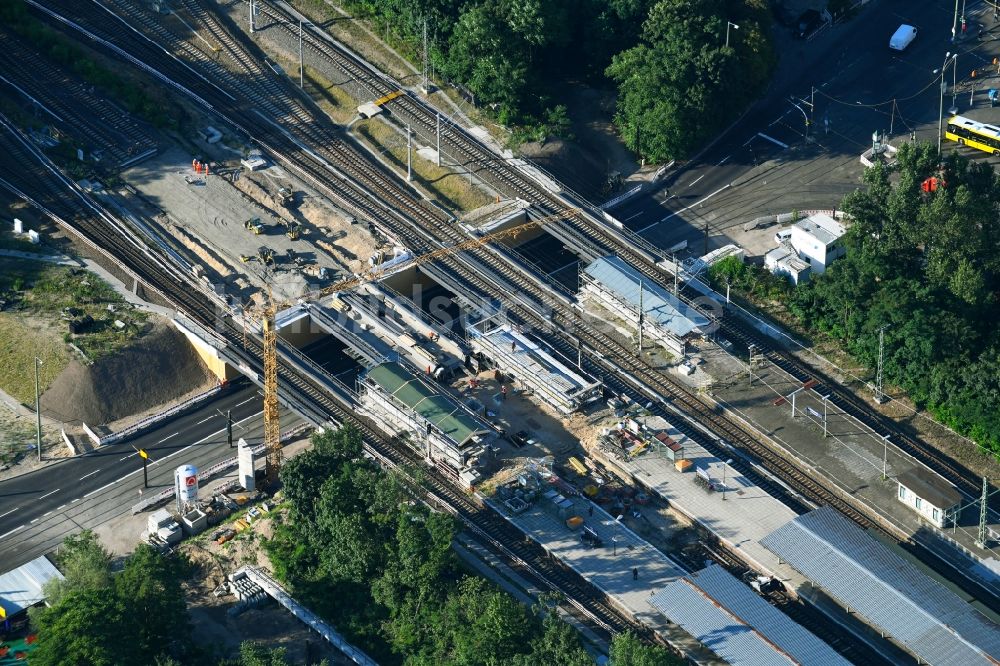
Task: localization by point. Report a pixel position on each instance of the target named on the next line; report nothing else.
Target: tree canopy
(927, 267)
(95, 618)
(360, 550)
(682, 84)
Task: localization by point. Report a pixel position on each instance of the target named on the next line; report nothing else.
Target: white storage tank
(186, 484)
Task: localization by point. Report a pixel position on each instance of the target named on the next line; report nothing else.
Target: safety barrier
(155, 418)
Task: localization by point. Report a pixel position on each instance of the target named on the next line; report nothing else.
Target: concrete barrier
(69, 443)
(92, 435)
(149, 421)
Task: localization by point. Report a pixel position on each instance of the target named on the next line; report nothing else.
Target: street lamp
(614, 538)
(947, 57)
(38, 413)
(725, 466)
(729, 23)
(826, 403)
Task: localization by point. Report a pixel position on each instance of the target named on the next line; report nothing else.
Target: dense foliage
(681, 85)
(358, 550)
(926, 266)
(513, 55)
(134, 617)
(676, 87)
(751, 279)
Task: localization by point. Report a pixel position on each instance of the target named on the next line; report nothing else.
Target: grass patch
(37, 295)
(21, 340)
(331, 98)
(452, 190)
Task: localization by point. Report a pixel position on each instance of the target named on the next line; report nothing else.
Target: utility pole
(409, 154)
(425, 57)
(252, 8)
(676, 272)
(38, 412)
(954, 22)
(145, 467)
(639, 352)
(750, 363)
(229, 427)
(885, 457)
(981, 538)
(301, 77)
(879, 395)
(826, 404)
(725, 466)
(439, 139)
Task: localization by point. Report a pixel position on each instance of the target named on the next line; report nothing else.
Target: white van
(782, 236)
(902, 37)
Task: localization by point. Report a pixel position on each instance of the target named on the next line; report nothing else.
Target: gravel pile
(157, 369)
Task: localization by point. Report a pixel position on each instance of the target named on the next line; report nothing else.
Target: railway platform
(861, 464)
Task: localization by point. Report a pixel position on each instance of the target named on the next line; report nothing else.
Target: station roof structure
(21, 588)
(447, 416)
(889, 592)
(658, 304)
(728, 618)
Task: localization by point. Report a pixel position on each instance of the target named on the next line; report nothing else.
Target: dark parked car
(809, 21)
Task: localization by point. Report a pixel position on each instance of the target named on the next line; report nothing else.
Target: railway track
(490, 275)
(495, 532)
(510, 180)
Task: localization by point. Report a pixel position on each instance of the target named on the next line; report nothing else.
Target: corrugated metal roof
(736, 624)
(448, 417)
(22, 587)
(658, 304)
(860, 572)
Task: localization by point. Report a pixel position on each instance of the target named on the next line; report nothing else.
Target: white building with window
(929, 495)
(816, 239)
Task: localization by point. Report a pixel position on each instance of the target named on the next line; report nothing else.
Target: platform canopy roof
(658, 304)
(447, 416)
(735, 623)
(888, 591)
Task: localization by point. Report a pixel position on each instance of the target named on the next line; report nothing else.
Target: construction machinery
(293, 230)
(272, 429)
(285, 196)
(254, 226)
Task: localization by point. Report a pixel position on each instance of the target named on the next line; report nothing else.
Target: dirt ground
(119, 386)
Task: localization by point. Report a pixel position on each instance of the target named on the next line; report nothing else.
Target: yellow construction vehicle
(265, 255)
(254, 225)
(293, 230)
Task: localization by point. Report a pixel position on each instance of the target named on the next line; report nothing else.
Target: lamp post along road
(729, 23)
(725, 466)
(38, 413)
(947, 57)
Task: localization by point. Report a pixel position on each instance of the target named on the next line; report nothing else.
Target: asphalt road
(764, 164)
(38, 509)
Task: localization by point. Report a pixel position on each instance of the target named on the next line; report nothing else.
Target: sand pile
(158, 368)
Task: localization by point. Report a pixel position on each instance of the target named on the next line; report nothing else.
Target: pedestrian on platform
(503, 392)
(590, 510)
(497, 376)
(635, 573)
(513, 346)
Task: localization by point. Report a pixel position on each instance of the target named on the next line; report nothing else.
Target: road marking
(772, 139)
(168, 437)
(696, 179)
(208, 419)
(246, 401)
(49, 493)
(33, 521)
(76, 500)
(60, 508)
(127, 457)
(91, 474)
(48, 513)
(636, 215)
(106, 485)
(9, 512)
(4, 536)
(723, 160)
(697, 203)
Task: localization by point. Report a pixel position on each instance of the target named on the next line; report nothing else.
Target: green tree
(149, 588)
(86, 626)
(681, 85)
(558, 645)
(84, 563)
(628, 650)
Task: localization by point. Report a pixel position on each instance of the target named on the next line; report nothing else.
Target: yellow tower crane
(272, 429)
